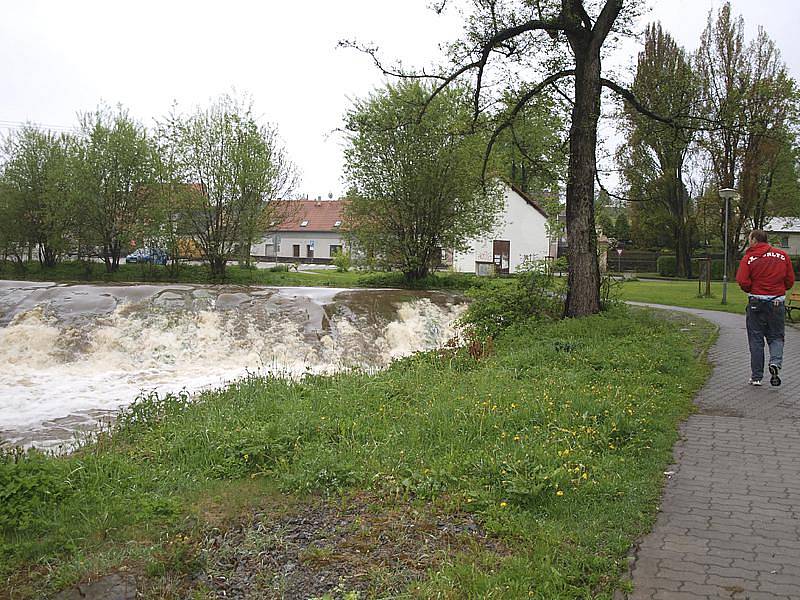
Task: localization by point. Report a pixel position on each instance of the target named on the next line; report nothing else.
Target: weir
(71, 354)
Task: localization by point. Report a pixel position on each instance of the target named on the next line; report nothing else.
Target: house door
(501, 251)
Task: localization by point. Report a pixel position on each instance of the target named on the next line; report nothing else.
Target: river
(71, 355)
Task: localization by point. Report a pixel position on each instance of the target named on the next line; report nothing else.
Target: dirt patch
(362, 545)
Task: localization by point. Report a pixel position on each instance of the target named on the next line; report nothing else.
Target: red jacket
(765, 270)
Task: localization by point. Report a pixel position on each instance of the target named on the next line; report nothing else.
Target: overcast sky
(61, 58)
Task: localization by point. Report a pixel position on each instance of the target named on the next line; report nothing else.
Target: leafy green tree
(523, 48)
(116, 172)
(776, 185)
(12, 233)
(529, 153)
(622, 228)
(40, 191)
(606, 224)
(416, 184)
(230, 170)
(654, 157)
(749, 97)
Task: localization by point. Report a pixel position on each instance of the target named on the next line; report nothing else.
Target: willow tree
(231, 169)
(520, 49)
(415, 182)
(654, 158)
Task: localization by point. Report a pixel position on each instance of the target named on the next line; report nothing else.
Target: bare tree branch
(524, 99)
(633, 101)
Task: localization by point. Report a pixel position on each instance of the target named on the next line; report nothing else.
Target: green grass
(557, 441)
(235, 275)
(684, 293)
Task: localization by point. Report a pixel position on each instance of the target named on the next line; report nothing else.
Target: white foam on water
(51, 368)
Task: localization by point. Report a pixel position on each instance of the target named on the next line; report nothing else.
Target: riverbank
(75, 272)
(524, 467)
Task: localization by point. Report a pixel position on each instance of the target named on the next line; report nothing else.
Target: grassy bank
(235, 275)
(519, 468)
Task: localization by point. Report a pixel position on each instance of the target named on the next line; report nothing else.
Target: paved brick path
(729, 525)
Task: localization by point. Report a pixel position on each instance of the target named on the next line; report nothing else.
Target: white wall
(322, 243)
(521, 224)
(794, 243)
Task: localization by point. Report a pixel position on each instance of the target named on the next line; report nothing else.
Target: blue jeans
(765, 320)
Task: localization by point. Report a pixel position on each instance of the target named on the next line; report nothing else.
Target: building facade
(785, 233)
(311, 233)
(521, 235)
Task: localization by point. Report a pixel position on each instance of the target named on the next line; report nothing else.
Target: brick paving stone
(729, 525)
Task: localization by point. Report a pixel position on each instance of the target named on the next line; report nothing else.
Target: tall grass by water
(555, 435)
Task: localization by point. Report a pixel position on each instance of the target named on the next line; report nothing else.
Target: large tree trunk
(683, 251)
(217, 264)
(583, 295)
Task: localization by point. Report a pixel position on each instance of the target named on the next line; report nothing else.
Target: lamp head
(727, 193)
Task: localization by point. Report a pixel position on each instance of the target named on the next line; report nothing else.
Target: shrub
(342, 261)
(499, 303)
(29, 484)
(281, 268)
(666, 266)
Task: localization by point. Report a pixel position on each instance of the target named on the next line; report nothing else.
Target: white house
(520, 235)
(311, 233)
(787, 229)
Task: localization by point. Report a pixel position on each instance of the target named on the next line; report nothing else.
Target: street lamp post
(726, 194)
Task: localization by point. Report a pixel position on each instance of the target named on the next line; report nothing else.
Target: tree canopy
(415, 181)
(230, 170)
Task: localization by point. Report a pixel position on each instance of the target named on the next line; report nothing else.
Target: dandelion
(560, 493)
(503, 504)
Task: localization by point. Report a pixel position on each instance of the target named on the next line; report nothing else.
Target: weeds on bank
(555, 436)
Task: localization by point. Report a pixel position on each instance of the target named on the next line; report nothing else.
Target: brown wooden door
(501, 252)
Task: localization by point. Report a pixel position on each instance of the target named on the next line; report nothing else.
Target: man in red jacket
(765, 273)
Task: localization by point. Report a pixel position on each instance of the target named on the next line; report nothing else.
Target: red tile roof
(321, 215)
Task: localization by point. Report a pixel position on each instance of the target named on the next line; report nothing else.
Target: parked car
(155, 256)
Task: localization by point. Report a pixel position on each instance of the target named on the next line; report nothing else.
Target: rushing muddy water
(70, 354)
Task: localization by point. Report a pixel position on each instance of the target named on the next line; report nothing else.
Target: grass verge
(235, 275)
(542, 457)
(684, 293)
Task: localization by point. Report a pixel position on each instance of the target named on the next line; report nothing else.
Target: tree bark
(683, 251)
(217, 264)
(583, 295)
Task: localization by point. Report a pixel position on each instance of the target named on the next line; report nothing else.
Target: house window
(296, 250)
(310, 250)
(334, 250)
(304, 223)
(785, 241)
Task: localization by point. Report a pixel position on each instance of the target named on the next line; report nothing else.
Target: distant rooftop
(312, 215)
(783, 225)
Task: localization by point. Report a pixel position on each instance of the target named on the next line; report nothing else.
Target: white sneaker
(755, 382)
